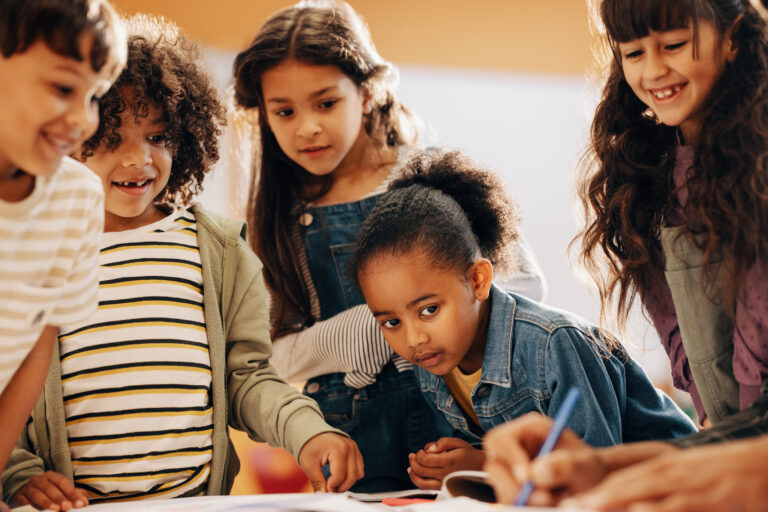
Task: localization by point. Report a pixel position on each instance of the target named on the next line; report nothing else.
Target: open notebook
(471, 484)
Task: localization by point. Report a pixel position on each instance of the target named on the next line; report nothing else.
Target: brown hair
(61, 24)
(626, 186)
(319, 33)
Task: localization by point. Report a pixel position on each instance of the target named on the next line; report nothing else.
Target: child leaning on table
(139, 396)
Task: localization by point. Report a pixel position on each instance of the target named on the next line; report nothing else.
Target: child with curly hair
(425, 261)
(139, 396)
(675, 189)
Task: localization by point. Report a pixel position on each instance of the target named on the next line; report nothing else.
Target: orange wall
(547, 36)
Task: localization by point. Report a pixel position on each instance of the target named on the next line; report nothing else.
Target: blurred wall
(547, 36)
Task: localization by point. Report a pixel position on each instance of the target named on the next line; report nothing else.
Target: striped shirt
(136, 376)
(49, 250)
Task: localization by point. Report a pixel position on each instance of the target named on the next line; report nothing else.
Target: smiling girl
(676, 197)
(676, 189)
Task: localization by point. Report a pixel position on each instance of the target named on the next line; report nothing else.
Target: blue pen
(561, 420)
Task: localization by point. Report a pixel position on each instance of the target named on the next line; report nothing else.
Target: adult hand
(50, 491)
(346, 462)
(510, 452)
(724, 477)
(431, 464)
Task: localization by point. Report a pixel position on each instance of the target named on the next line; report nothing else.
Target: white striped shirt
(136, 376)
(49, 250)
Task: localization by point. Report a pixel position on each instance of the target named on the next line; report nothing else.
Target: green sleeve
(262, 404)
(22, 466)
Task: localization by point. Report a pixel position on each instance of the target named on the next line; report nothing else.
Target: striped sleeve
(350, 342)
(79, 296)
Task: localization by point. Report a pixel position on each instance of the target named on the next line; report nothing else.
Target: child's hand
(430, 465)
(50, 491)
(340, 452)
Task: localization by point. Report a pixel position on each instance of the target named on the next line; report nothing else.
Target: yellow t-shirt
(461, 385)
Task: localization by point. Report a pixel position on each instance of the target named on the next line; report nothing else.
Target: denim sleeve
(650, 415)
(572, 360)
(618, 401)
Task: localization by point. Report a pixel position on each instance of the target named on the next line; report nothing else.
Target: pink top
(750, 336)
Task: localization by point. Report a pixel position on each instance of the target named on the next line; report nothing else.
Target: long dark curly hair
(626, 187)
(324, 32)
(163, 71)
(446, 205)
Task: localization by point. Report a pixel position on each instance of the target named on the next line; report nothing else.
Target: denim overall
(388, 419)
(706, 328)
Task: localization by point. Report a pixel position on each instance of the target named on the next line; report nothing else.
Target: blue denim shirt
(533, 355)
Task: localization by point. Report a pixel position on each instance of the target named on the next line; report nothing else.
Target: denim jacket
(533, 355)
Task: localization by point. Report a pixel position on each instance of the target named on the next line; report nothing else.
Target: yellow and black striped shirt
(136, 376)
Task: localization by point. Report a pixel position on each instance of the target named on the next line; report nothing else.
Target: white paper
(300, 502)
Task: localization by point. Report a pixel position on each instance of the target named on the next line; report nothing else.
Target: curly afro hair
(162, 71)
(447, 205)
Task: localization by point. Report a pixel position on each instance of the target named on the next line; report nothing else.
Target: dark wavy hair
(445, 205)
(626, 187)
(324, 32)
(61, 24)
(163, 71)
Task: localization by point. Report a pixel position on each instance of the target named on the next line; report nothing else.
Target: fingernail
(79, 504)
(520, 472)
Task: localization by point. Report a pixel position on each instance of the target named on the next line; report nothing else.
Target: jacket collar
(497, 360)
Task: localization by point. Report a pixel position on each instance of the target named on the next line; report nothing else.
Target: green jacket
(247, 392)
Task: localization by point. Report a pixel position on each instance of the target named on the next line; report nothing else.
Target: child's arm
(265, 406)
(325, 348)
(430, 465)
(20, 395)
(618, 402)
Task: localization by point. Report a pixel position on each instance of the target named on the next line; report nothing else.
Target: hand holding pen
(560, 422)
(512, 449)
